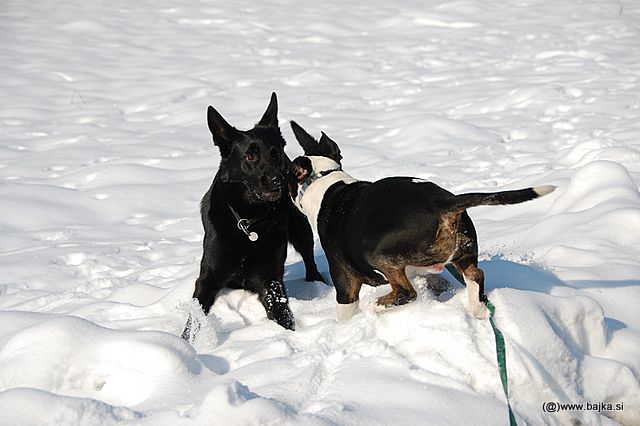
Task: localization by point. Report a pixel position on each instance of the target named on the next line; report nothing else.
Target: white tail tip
(544, 190)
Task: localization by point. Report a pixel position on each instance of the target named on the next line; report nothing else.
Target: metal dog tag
(244, 227)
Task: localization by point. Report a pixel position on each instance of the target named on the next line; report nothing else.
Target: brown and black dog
(372, 231)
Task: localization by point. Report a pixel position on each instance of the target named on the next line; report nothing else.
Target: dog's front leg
(208, 285)
(301, 237)
(191, 329)
(347, 282)
(273, 297)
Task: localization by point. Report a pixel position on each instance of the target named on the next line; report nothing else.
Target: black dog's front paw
(275, 302)
(283, 316)
(191, 329)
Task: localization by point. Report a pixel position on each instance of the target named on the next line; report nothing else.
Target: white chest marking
(309, 198)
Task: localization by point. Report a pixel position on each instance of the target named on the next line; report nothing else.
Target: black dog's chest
(245, 232)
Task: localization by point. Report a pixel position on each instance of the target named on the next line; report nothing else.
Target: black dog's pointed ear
(308, 143)
(223, 132)
(270, 117)
(328, 148)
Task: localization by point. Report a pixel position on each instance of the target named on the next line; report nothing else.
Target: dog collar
(314, 177)
(244, 224)
(326, 172)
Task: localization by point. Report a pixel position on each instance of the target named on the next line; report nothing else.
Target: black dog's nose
(275, 181)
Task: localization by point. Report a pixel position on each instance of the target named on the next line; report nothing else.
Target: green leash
(502, 359)
(500, 350)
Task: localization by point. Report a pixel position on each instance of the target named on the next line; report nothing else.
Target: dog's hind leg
(466, 263)
(301, 237)
(402, 291)
(474, 279)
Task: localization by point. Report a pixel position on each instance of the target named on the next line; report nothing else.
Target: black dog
(248, 218)
(372, 231)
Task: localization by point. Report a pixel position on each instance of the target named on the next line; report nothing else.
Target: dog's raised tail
(472, 199)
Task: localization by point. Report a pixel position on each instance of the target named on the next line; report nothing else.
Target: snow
(105, 154)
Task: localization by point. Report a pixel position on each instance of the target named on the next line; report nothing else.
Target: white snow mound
(72, 356)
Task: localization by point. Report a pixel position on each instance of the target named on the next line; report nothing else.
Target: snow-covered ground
(105, 153)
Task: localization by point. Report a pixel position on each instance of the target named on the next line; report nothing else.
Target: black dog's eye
(250, 156)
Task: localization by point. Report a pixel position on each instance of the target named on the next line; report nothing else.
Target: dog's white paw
(480, 311)
(345, 312)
